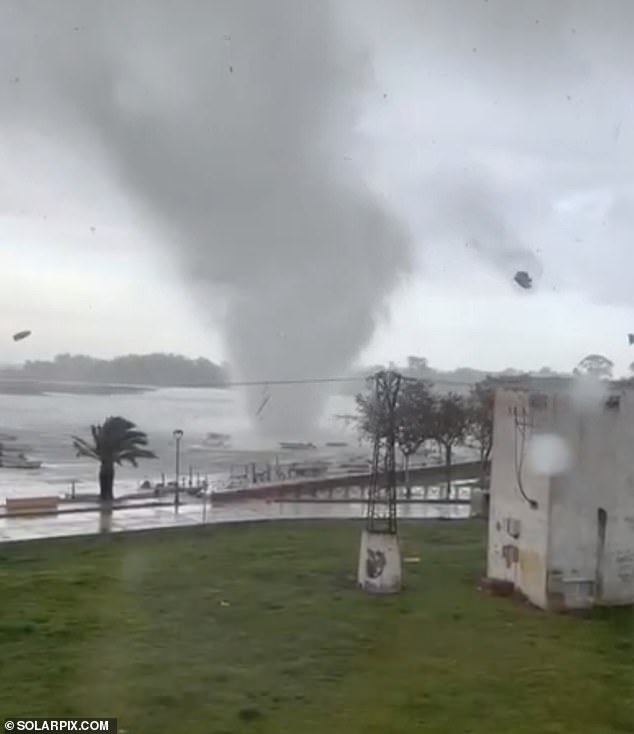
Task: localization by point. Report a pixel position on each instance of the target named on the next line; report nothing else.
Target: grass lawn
(260, 628)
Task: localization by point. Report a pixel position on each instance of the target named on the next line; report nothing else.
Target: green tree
(133, 369)
(596, 365)
(448, 427)
(412, 419)
(113, 443)
(480, 422)
(369, 418)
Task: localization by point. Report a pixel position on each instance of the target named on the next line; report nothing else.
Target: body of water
(46, 423)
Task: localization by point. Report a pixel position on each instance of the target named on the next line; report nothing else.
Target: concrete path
(142, 518)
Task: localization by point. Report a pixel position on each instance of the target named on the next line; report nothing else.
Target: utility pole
(379, 555)
(178, 435)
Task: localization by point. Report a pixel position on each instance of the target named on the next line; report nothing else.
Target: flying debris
(523, 279)
(21, 335)
(262, 406)
(630, 339)
(266, 397)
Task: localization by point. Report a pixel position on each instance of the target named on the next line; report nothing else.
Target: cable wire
(520, 428)
(323, 380)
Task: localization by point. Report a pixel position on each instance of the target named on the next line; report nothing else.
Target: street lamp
(178, 434)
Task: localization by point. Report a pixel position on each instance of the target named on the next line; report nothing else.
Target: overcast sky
(500, 135)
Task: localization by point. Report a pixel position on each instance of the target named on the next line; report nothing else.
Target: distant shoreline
(43, 387)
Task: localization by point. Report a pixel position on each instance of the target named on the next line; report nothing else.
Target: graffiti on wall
(511, 554)
(513, 527)
(374, 563)
(625, 566)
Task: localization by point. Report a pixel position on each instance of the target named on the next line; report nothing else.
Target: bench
(30, 505)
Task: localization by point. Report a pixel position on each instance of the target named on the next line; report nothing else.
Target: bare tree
(480, 423)
(449, 425)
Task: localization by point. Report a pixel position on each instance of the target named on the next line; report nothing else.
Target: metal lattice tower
(381, 516)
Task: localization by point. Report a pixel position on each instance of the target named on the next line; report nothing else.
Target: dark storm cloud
(230, 122)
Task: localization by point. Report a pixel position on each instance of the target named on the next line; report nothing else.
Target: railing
(278, 490)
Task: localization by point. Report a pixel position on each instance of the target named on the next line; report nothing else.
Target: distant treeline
(161, 370)
(174, 370)
(458, 380)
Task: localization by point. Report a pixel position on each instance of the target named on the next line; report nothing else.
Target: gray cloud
(507, 110)
(505, 124)
(230, 123)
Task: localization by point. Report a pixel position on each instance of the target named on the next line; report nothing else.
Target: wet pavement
(128, 519)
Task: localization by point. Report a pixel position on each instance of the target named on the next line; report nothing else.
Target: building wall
(588, 564)
(518, 532)
(576, 548)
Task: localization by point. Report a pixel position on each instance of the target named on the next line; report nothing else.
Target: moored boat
(217, 440)
(9, 461)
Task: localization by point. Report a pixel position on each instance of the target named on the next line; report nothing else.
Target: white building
(561, 522)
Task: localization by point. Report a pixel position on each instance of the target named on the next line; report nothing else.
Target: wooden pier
(301, 490)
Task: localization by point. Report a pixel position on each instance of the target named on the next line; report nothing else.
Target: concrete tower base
(379, 563)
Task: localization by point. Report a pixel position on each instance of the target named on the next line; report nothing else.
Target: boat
(217, 440)
(296, 445)
(13, 448)
(336, 444)
(7, 461)
(352, 467)
(316, 469)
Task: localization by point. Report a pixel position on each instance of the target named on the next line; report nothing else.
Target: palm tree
(113, 443)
